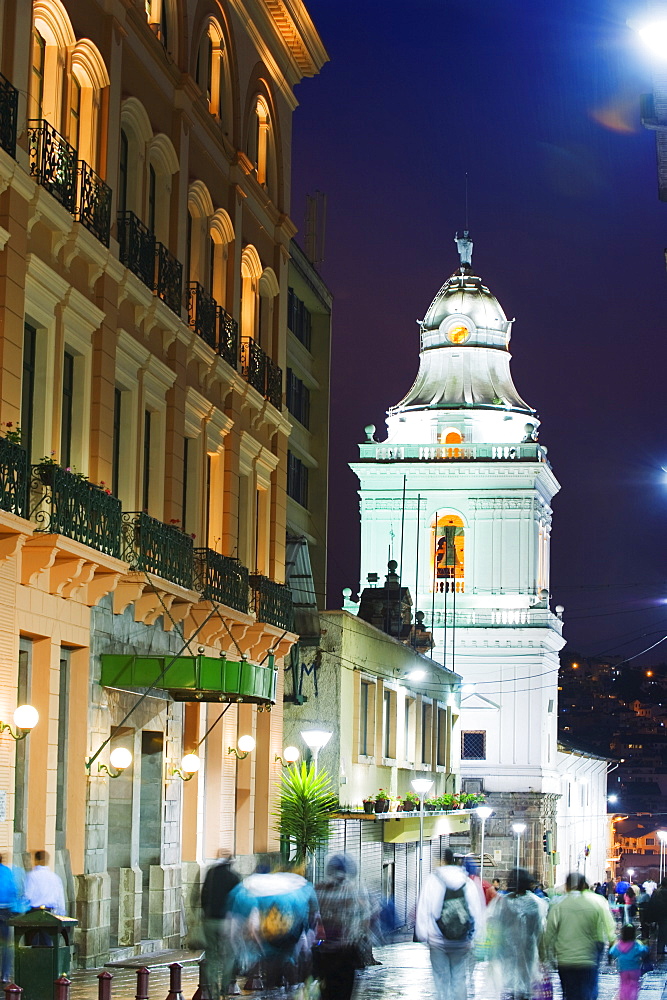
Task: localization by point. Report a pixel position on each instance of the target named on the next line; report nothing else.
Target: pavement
(404, 974)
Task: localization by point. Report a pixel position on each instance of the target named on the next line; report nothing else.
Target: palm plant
(306, 803)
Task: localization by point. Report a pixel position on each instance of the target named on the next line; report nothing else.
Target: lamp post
(662, 837)
(483, 813)
(421, 787)
(518, 828)
(315, 740)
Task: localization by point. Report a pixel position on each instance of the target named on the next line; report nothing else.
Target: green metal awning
(193, 678)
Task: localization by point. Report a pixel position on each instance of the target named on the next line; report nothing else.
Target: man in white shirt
(43, 887)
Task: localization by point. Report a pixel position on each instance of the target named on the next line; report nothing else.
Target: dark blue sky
(539, 104)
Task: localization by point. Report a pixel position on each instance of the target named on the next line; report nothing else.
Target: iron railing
(169, 279)
(64, 503)
(202, 311)
(14, 478)
(253, 364)
(9, 102)
(94, 203)
(272, 602)
(274, 384)
(228, 338)
(53, 162)
(223, 579)
(137, 247)
(150, 546)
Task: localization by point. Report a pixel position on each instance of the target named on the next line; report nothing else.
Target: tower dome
(464, 359)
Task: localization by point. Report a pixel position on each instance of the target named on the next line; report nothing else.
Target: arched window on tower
(449, 554)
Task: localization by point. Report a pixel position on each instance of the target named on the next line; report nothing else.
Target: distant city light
(612, 798)
(575, 666)
(649, 673)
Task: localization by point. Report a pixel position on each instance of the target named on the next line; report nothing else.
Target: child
(629, 954)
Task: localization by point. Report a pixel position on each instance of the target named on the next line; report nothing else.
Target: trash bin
(42, 951)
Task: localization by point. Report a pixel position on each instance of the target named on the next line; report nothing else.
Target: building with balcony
(146, 239)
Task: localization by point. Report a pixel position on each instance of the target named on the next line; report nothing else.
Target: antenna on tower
(316, 220)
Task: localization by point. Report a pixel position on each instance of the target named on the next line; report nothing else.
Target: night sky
(539, 104)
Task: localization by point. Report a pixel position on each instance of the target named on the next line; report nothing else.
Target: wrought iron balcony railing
(137, 247)
(150, 546)
(272, 602)
(261, 372)
(53, 162)
(202, 311)
(223, 579)
(9, 102)
(274, 383)
(169, 279)
(14, 478)
(228, 338)
(94, 203)
(63, 503)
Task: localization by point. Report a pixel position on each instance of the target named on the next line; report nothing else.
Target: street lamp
(421, 786)
(518, 828)
(662, 837)
(483, 813)
(315, 740)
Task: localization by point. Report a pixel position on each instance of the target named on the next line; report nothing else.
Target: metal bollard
(175, 992)
(203, 991)
(142, 983)
(13, 992)
(104, 985)
(61, 988)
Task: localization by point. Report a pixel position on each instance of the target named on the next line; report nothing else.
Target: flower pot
(382, 806)
(429, 806)
(369, 807)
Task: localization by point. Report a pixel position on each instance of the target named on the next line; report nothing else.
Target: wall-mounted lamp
(190, 764)
(290, 756)
(25, 718)
(120, 759)
(245, 745)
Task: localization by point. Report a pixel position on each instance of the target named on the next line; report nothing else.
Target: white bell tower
(459, 495)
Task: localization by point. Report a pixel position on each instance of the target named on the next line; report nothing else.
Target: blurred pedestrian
(515, 924)
(219, 881)
(656, 913)
(9, 904)
(43, 888)
(345, 913)
(629, 905)
(575, 933)
(629, 954)
(449, 916)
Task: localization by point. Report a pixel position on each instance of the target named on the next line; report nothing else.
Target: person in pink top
(629, 954)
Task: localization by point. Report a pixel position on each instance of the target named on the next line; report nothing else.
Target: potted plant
(369, 804)
(306, 804)
(430, 805)
(410, 802)
(382, 801)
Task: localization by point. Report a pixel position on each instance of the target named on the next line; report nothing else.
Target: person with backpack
(449, 915)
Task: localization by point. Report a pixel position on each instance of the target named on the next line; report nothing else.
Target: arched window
(221, 232)
(200, 209)
(268, 292)
(52, 39)
(263, 140)
(162, 165)
(37, 75)
(449, 553)
(88, 78)
(136, 134)
(160, 17)
(251, 270)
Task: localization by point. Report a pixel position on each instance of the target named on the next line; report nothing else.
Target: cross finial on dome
(464, 246)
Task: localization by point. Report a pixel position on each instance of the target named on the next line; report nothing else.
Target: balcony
(260, 372)
(202, 312)
(228, 338)
(169, 279)
(63, 503)
(150, 546)
(9, 100)
(14, 478)
(378, 452)
(272, 602)
(192, 678)
(137, 247)
(222, 579)
(53, 163)
(94, 204)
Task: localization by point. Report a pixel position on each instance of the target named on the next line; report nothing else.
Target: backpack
(455, 922)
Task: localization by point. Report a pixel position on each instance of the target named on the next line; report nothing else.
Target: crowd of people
(278, 925)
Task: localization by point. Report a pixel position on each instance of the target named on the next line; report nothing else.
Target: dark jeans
(335, 971)
(5, 950)
(577, 981)
(662, 935)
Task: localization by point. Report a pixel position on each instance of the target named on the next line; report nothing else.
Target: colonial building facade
(145, 234)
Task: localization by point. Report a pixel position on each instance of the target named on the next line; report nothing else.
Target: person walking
(449, 904)
(515, 924)
(576, 931)
(43, 888)
(345, 913)
(219, 881)
(656, 913)
(9, 904)
(629, 954)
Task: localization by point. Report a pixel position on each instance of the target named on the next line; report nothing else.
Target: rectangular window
(61, 773)
(66, 415)
(386, 749)
(28, 387)
(297, 479)
(151, 198)
(650, 841)
(365, 706)
(146, 483)
(75, 114)
(122, 172)
(38, 58)
(473, 745)
(298, 399)
(208, 499)
(298, 319)
(441, 756)
(407, 729)
(427, 716)
(117, 418)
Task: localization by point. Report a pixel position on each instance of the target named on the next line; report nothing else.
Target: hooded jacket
(429, 907)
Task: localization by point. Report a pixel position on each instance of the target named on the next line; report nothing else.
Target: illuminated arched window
(221, 232)
(160, 18)
(251, 270)
(449, 552)
(37, 75)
